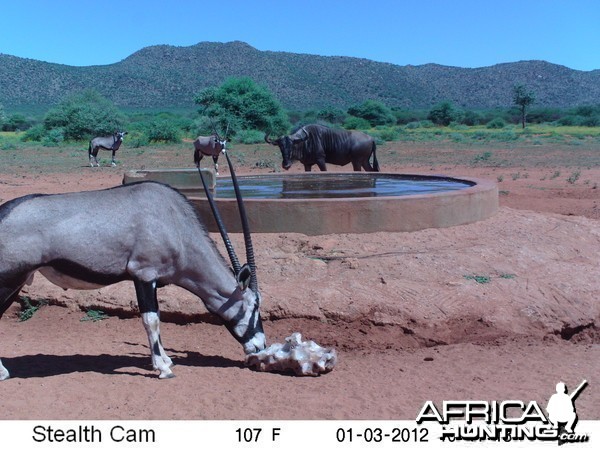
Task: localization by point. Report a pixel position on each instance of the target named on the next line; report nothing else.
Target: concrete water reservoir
(335, 202)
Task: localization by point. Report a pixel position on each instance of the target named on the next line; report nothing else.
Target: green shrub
(374, 112)
(242, 104)
(136, 139)
(356, 123)
(250, 136)
(163, 131)
(35, 133)
(384, 134)
(83, 116)
(53, 138)
(443, 114)
(495, 124)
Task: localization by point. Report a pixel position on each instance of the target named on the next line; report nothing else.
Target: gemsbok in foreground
(144, 232)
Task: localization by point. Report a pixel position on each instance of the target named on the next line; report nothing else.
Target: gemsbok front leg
(148, 304)
(9, 293)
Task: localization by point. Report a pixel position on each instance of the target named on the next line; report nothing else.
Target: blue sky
(463, 33)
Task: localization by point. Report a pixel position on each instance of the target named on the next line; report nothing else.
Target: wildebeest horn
(245, 227)
(235, 263)
(268, 140)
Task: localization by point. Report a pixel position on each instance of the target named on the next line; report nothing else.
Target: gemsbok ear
(243, 277)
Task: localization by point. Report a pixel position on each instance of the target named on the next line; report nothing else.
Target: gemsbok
(144, 232)
(110, 143)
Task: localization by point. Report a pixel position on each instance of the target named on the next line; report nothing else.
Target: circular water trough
(328, 202)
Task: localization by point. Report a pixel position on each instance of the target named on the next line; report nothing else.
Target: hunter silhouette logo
(509, 420)
(561, 410)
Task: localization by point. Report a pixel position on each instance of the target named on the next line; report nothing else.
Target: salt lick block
(303, 358)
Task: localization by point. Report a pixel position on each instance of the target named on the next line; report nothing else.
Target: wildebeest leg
(148, 304)
(112, 161)
(8, 295)
(322, 165)
(356, 166)
(307, 167)
(367, 166)
(215, 160)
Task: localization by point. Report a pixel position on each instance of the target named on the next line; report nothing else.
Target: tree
(443, 114)
(15, 122)
(522, 98)
(373, 111)
(84, 115)
(2, 115)
(241, 104)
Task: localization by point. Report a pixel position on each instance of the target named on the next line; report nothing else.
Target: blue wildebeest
(211, 145)
(145, 232)
(318, 144)
(105, 143)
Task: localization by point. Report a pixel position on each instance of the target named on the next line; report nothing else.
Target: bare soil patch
(500, 309)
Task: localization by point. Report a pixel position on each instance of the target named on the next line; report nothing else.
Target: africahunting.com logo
(510, 420)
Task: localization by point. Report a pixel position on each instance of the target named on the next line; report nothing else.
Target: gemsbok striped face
(246, 325)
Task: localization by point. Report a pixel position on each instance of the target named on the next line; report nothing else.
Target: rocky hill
(168, 77)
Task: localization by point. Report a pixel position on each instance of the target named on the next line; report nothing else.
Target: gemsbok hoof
(164, 376)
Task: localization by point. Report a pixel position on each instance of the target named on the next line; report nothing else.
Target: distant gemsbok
(111, 143)
(212, 145)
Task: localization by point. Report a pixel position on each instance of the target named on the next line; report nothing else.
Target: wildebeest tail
(375, 163)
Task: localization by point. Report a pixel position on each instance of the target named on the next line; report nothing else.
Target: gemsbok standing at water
(211, 145)
(144, 232)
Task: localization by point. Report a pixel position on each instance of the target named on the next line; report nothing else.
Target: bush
(419, 124)
(16, 122)
(386, 134)
(331, 115)
(250, 136)
(163, 131)
(404, 117)
(496, 123)
(356, 123)
(53, 138)
(472, 118)
(443, 114)
(35, 133)
(374, 112)
(242, 104)
(83, 116)
(136, 139)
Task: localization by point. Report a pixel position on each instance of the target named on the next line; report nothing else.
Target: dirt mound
(511, 275)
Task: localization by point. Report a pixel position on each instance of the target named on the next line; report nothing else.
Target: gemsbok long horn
(235, 263)
(245, 227)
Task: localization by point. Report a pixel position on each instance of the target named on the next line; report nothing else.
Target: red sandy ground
(407, 321)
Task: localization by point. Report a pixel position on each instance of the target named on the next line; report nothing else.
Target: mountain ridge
(166, 76)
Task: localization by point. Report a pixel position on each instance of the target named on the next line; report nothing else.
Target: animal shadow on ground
(42, 365)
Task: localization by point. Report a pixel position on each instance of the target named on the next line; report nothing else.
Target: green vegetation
(523, 99)
(83, 116)
(481, 279)
(247, 110)
(28, 309)
(94, 315)
(241, 104)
